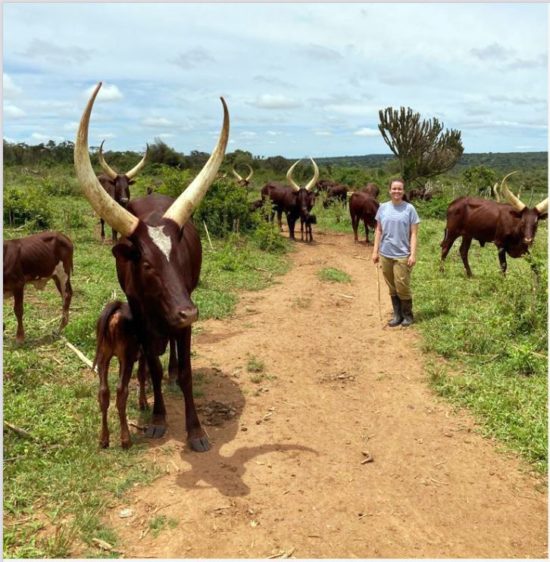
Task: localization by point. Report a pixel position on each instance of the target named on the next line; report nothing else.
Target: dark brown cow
(116, 336)
(281, 197)
(362, 207)
(336, 192)
(243, 182)
(372, 189)
(303, 200)
(323, 185)
(511, 227)
(117, 185)
(36, 259)
(158, 264)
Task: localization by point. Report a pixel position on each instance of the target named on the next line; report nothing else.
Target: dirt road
(288, 474)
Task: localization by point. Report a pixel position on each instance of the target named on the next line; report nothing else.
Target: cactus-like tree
(423, 148)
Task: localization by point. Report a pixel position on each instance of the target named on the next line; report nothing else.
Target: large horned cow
(117, 185)
(302, 203)
(158, 264)
(510, 226)
(243, 182)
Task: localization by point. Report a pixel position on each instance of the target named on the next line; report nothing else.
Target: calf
(116, 335)
(36, 259)
(362, 206)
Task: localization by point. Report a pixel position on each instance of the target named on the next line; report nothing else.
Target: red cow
(512, 227)
(362, 207)
(36, 259)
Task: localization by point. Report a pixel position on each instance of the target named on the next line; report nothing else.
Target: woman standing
(395, 241)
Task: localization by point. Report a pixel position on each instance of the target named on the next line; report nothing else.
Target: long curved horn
(134, 171)
(237, 177)
(107, 208)
(496, 193)
(249, 177)
(315, 177)
(294, 185)
(182, 208)
(510, 197)
(542, 207)
(105, 167)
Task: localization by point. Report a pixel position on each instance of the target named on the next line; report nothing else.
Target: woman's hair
(400, 180)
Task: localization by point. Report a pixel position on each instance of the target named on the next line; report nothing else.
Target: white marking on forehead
(161, 240)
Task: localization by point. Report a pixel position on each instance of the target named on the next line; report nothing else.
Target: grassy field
(485, 340)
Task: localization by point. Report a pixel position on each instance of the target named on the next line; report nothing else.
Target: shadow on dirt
(220, 409)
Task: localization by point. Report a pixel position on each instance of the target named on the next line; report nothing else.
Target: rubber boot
(397, 314)
(407, 308)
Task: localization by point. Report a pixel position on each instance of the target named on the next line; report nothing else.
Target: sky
(300, 80)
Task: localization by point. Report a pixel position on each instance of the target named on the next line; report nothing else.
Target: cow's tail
(102, 326)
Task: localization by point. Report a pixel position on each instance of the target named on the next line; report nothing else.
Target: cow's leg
(173, 362)
(142, 380)
(291, 224)
(125, 372)
(446, 245)
(114, 236)
(366, 232)
(196, 436)
(66, 291)
(302, 230)
(464, 247)
(355, 225)
(158, 426)
(280, 219)
(102, 222)
(18, 310)
(103, 398)
(502, 260)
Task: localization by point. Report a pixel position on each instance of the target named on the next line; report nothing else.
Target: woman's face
(396, 191)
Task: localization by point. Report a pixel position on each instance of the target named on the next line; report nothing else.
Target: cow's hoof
(126, 444)
(155, 431)
(199, 444)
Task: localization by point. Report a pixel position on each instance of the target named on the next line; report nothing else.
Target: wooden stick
(208, 235)
(378, 286)
(79, 354)
(18, 431)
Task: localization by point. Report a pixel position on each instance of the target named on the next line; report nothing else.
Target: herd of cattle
(159, 257)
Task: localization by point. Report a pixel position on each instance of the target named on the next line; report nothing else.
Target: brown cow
(243, 182)
(336, 192)
(116, 335)
(362, 206)
(158, 264)
(511, 227)
(372, 189)
(36, 259)
(117, 185)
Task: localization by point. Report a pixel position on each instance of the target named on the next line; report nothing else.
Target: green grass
(333, 275)
(491, 332)
(58, 483)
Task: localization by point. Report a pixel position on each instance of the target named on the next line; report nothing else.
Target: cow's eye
(147, 266)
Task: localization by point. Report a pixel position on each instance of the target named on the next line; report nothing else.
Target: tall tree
(423, 148)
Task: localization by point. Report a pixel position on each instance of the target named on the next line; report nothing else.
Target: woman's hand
(411, 261)
(375, 257)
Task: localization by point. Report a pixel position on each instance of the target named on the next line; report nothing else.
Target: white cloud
(275, 101)
(105, 136)
(108, 92)
(247, 134)
(39, 137)
(9, 88)
(157, 122)
(13, 112)
(366, 132)
(323, 133)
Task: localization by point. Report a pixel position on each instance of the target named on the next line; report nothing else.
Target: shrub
(27, 206)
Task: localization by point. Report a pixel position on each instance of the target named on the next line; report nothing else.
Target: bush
(224, 206)
(174, 181)
(266, 237)
(29, 206)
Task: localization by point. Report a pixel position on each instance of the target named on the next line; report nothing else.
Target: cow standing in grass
(510, 226)
(158, 264)
(362, 207)
(36, 259)
(117, 185)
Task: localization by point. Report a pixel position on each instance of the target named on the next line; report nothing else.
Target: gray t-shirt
(396, 221)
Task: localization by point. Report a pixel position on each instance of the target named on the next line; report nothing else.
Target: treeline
(51, 153)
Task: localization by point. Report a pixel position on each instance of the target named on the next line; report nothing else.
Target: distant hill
(500, 161)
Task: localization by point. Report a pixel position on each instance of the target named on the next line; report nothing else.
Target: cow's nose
(188, 315)
(124, 202)
(528, 241)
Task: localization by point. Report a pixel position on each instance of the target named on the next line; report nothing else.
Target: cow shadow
(219, 404)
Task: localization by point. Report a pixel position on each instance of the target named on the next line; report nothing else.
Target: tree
(424, 150)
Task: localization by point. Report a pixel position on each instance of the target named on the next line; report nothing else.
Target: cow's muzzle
(186, 316)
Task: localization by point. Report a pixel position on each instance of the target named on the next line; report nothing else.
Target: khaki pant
(397, 275)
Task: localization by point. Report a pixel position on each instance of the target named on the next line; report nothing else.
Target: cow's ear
(543, 216)
(126, 252)
(131, 182)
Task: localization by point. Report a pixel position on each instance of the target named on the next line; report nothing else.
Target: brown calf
(116, 336)
(36, 259)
